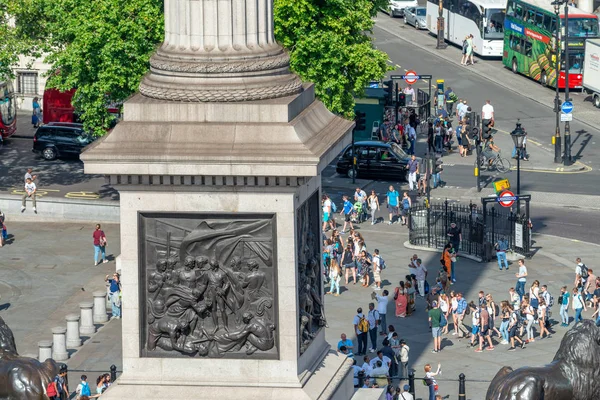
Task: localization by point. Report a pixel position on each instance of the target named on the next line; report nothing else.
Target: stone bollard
(59, 344)
(100, 307)
(108, 303)
(87, 318)
(73, 339)
(45, 350)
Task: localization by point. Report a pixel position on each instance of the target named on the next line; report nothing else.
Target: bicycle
(498, 163)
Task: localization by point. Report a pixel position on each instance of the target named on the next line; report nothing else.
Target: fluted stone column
(100, 307)
(73, 339)
(59, 344)
(45, 350)
(219, 51)
(87, 318)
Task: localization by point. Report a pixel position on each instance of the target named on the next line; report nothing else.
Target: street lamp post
(556, 138)
(518, 137)
(567, 156)
(441, 44)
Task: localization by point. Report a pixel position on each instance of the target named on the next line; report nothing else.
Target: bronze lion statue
(574, 374)
(22, 378)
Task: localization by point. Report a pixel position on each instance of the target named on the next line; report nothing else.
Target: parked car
(60, 139)
(376, 160)
(415, 16)
(396, 7)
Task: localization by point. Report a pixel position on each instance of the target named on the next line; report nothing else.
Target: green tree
(102, 48)
(329, 45)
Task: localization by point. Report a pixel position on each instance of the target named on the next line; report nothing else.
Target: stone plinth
(45, 350)
(87, 326)
(100, 315)
(73, 339)
(59, 345)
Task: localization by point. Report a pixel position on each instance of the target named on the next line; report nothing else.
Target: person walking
(99, 244)
(348, 261)
(470, 50)
(542, 317)
(413, 171)
(406, 205)
(430, 138)
(115, 295)
(347, 213)
(454, 236)
(411, 135)
(373, 203)
(529, 318)
(382, 302)
(335, 275)
(30, 191)
(361, 327)
(501, 247)
(578, 305)
(392, 203)
(464, 51)
(435, 320)
(326, 204)
(360, 196)
(513, 325)
(378, 267)
(563, 301)
(450, 98)
(521, 279)
(461, 310)
(487, 113)
(438, 137)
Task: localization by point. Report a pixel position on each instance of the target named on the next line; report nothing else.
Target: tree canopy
(102, 47)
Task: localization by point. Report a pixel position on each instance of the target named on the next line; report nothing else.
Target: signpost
(507, 198)
(566, 107)
(501, 185)
(411, 77)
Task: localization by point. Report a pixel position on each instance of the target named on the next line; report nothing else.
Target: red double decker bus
(8, 109)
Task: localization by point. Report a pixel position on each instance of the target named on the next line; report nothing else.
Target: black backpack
(584, 271)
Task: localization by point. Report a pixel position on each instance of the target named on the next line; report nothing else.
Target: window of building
(27, 82)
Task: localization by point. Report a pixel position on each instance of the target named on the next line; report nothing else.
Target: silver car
(415, 16)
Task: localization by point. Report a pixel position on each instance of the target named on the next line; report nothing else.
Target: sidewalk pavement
(25, 128)
(495, 72)
(46, 270)
(553, 264)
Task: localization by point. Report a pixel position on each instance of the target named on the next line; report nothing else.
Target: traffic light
(389, 91)
(487, 130)
(401, 100)
(361, 121)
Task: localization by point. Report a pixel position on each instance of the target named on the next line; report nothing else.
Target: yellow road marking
(38, 193)
(82, 195)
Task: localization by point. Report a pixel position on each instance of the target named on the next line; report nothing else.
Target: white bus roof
(489, 3)
(546, 5)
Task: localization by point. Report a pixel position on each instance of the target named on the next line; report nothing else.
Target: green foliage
(329, 46)
(104, 47)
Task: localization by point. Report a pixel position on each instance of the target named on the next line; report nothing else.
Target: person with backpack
(52, 389)
(429, 380)
(450, 98)
(581, 274)
(378, 267)
(513, 326)
(563, 301)
(578, 305)
(361, 327)
(83, 389)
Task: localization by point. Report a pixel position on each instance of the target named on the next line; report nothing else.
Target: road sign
(506, 198)
(501, 185)
(566, 117)
(411, 77)
(567, 107)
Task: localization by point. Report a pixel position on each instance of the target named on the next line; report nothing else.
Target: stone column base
(331, 380)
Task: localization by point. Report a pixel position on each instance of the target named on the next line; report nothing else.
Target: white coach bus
(484, 19)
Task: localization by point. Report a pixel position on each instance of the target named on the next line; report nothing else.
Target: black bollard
(411, 382)
(361, 379)
(113, 373)
(462, 394)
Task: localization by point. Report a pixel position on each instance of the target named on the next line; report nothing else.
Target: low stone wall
(53, 209)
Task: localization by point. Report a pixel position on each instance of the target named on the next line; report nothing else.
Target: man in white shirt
(373, 318)
(356, 370)
(461, 109)
(382, 302)
(410, 94)
(28, 175)
(327, 213)
(385, 361)
(487, 113)
(405, 395)
(30, 190)
(367, 365)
